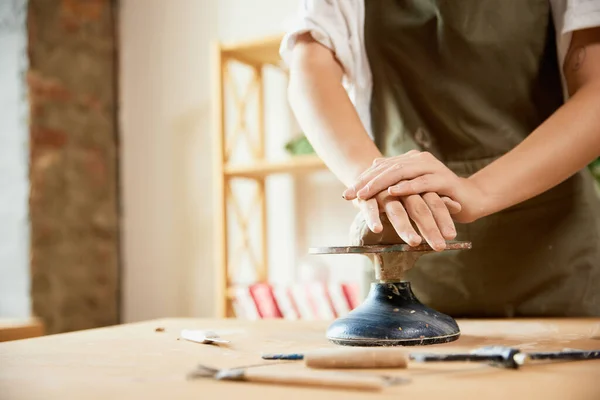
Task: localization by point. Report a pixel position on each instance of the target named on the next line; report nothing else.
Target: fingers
(430, 213)
(454, 207)
(408, 166)
(419, 212)
(379, 165)
(400, 221)
(422, 184)
(370, 211)
(441, 215)
(389, 176)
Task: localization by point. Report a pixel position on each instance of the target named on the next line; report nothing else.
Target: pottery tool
(339, 380)
(508, 357)
(205, 337)
(500, 356)
(391, 315)
(349, 358)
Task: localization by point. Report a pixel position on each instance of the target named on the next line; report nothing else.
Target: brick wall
(73, 163)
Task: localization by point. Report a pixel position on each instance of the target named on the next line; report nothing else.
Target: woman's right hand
(430, 213)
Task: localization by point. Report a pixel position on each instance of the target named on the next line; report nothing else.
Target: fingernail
(414, 239)
(343, 196)
(362, 192)
(449, 232)
(377, 225)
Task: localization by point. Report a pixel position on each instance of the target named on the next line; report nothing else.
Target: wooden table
(20, 328)
(136, 361)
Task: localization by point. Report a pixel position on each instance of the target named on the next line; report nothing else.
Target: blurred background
(150, 167)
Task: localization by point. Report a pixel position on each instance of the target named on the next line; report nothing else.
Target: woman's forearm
(561, 146)
(564, 144)
(325, 112)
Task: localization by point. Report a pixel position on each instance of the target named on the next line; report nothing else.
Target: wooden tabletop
(137, 361)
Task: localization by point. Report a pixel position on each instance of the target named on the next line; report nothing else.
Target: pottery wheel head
(386, 248)
(390, 261)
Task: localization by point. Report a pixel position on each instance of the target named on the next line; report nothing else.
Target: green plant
(299, 145)
(595, 168)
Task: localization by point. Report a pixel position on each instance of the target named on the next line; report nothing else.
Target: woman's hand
(430, 213)
(414, 173)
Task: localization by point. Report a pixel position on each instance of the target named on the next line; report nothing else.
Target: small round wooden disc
(385, 248)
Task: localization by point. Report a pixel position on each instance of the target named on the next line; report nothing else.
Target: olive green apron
(468, 80)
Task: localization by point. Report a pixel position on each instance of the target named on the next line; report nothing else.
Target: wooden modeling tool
(330, 379)
(391, 315)
(373, 357)
(499, 356)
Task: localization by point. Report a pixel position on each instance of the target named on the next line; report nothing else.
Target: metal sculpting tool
(339, 380)
(500, 356)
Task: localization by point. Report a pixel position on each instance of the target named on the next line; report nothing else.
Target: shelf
(16, 329)
(260, 169)
(255, 52)
(253, 55)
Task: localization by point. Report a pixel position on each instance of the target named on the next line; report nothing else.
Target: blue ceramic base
(391, 315)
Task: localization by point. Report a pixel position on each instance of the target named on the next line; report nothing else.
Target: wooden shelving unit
(263, 168)
(17, 329)
(253, 56)
(262, 51)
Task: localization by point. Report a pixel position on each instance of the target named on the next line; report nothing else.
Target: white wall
(165, 94)
(166, 164)
(14, 160)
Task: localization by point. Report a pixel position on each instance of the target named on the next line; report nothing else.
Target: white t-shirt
(339, 25)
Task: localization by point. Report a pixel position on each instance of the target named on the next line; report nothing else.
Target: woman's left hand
(415, 173)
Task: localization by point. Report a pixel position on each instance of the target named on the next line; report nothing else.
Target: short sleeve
(581, 14)
(334, 24)
(570, 16)
(338, 25)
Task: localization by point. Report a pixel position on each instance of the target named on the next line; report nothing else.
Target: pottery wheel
(391, 315)
(385, 248)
